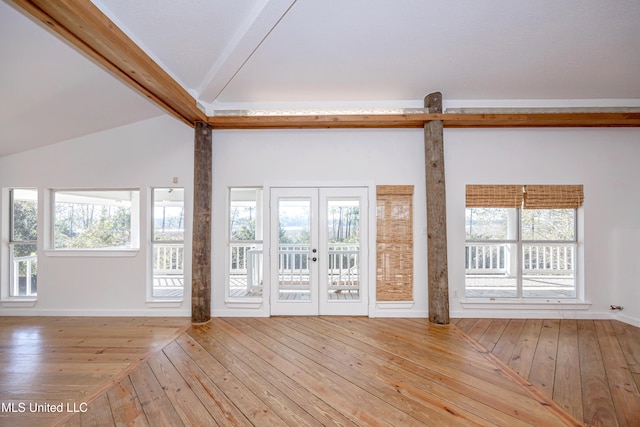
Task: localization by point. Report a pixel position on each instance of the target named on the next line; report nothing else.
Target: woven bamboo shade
(395, 190)
(494, 196)
(553, 196)
(394, 243)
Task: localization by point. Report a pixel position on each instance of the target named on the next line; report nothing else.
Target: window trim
(242, 301)
(7, 296)
(136, 212)
(151, 299)
(519, 244)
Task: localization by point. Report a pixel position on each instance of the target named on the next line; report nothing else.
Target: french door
(319, 251)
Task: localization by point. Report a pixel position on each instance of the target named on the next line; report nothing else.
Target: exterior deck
(547, 271)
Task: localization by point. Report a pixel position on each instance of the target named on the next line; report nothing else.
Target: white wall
(604, 160)
(150, 153)
(142, 155)
(329, 156)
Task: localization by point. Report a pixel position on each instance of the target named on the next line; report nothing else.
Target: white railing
(495, 259)
(168, 259)
(344, 262)
(293, 265)
(557, 259)
(483, 258)
(28, 266)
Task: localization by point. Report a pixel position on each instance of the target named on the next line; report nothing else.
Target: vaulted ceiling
(331, 53)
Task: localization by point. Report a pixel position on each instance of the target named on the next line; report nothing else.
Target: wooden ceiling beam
(85, 26)
(450, 120)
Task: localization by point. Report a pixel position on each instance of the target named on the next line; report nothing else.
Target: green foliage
(344, 224)
(91, 226)
(25, 220)
(243, 223)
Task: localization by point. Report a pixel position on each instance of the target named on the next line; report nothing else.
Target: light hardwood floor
(591, 368)
(324, 371)
(65, 361)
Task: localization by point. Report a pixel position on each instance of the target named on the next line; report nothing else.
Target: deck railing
(483, 258)
(557, 259)
(25, 275)
(293, 265)
(495, 259)
(168, 258)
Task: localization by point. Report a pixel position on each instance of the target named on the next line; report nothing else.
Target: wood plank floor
(325, 371)
(591, 368)
(65, 360)
(321, 371)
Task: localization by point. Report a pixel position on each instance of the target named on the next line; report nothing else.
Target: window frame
(519, 242)
(151, 297)
(231, 243)
(135, 229)
(13, 243)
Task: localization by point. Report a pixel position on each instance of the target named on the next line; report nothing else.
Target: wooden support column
(201, 241)
(438, 276)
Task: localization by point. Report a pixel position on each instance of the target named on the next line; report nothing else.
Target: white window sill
(389, 305)
(249, 302)
(534, 304)
(91, 252)
(164, 303)
(19, 302)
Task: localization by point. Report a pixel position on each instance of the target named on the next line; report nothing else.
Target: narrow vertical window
(168, 243)
(245, 242)
(23, 243)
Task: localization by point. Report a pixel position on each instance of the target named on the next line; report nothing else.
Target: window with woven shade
(394, 243)
(521, 240)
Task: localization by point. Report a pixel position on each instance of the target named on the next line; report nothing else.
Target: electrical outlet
(175, 179)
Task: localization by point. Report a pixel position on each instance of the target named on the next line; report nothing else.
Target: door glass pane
(294, 245)
(343, 249)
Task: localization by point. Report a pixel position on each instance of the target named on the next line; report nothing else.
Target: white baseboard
(531, 314)
(96, 313)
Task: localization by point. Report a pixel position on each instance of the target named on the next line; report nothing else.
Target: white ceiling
(235, 54)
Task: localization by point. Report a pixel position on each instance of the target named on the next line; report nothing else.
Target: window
(23, 243)
(245, 273)
(168, 243)
(521, 241)
(96, 219)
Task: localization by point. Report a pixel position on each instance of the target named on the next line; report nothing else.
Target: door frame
(369, 252)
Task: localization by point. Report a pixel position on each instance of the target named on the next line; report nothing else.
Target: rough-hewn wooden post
(201, 241)
(438, 276)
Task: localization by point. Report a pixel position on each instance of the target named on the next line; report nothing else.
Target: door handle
(314, 259)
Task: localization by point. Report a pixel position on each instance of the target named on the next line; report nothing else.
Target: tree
(80, 225)
(25, 220)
